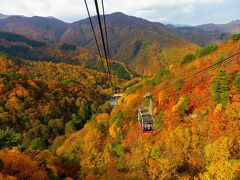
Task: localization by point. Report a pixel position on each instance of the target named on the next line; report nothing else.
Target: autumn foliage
(16, 164)
(68, 130)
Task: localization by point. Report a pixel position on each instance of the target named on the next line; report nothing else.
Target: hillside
(44, 93)
(196, 126)
(40, 104)
(55, 114)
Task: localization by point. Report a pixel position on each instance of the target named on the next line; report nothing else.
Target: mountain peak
(51, 17)
(119, 14)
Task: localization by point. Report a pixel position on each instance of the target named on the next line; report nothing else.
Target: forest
(56, 121)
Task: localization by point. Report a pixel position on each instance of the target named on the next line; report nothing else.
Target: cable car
(146, 120)
(145, 117)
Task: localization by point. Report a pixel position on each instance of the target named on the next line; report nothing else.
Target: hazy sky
(190, 12)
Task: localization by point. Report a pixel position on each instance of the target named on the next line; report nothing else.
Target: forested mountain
(143, 45)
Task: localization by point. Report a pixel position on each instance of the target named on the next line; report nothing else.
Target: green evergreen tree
(8, 139)
(221, 88)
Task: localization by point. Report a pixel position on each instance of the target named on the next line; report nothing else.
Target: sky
(187, 12)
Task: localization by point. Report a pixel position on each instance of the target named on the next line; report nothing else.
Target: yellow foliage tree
(17, 164)
(218, 156)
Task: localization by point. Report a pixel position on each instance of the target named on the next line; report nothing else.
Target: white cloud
(188, 9)
(176, 11)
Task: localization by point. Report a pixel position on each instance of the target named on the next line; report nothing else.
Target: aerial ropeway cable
(95, 37)
(106, 32)
(104, 43)
(107, 44)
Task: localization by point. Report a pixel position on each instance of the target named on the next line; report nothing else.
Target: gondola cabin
(145, 117)
(146, 120)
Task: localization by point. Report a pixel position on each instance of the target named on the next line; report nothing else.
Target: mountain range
(143, 45)
(50, 29)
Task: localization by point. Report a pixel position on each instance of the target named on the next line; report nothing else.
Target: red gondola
(145, 117)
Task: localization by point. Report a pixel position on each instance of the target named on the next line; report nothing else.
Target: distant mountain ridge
(231, 27)
(37, 28)
(199, 36)
(207, 33)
